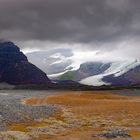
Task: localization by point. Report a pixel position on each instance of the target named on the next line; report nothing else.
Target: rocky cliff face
(15, 68)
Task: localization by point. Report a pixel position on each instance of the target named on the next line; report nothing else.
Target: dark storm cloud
(69, 20)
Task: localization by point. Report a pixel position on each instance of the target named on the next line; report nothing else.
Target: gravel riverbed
(12, 110)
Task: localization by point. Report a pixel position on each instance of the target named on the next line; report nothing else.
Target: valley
(69, 70)
(65, 64)
(60, 115)
(39, 107)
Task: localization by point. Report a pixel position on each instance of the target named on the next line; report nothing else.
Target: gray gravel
(129, 92)
(114, 134)
(11, 109)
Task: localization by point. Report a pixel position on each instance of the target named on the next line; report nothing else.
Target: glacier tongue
(116, 69)
(94, 80)
(119, 68)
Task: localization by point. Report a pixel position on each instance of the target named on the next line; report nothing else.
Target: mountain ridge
(16, 69)
(94, 73)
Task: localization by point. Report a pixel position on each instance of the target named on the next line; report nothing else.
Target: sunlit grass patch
(135, 133)
(24, 126)
(90, 111)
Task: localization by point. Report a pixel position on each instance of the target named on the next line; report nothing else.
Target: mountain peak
(15, 68)
(10, 53)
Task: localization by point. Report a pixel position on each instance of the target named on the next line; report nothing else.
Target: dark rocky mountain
(16, 69)
(93, 68)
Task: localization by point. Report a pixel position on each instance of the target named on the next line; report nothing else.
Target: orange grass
(92, 103)
(121, 109)
(135, 134)
(24, 126)
(74, 134)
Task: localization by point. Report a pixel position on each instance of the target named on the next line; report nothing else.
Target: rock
(16, 69)
(114, 134)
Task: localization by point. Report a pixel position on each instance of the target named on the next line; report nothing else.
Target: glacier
(116, 69)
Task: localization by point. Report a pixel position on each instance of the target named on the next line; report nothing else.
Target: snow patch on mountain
(119, 68)
(94, 80)
(116, 69)
(81, 57)
(61, 58)
(52, 76)
(52, 62)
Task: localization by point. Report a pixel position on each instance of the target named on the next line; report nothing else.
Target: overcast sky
(106, 25)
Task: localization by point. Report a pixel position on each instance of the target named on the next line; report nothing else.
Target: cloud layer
(69, 20)
(95, 23)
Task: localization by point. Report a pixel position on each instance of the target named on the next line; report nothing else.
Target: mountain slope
(119, 73)
(15, 68)
(53, 61)
(86, 69)
(64, 64)
(131, 77)
(110, 73)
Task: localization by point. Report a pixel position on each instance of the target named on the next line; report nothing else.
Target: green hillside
(70, 75)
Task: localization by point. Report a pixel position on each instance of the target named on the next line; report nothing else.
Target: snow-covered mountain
(53, 61)
(115, 74)
(62, 64)
(110, 73)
